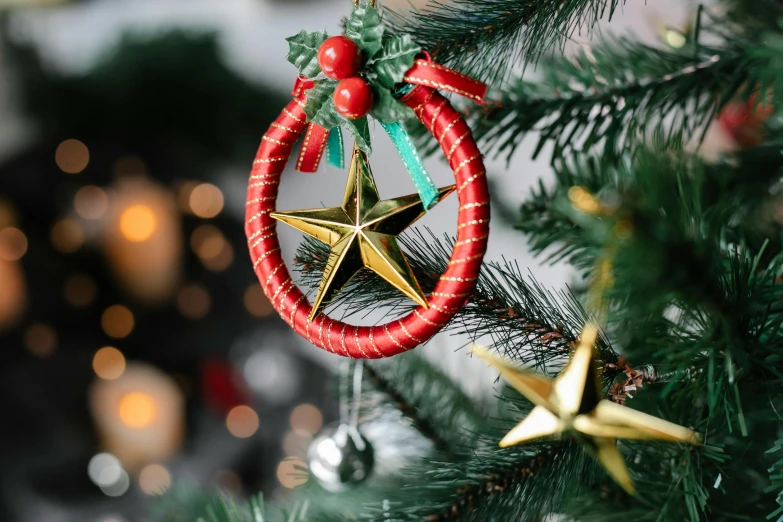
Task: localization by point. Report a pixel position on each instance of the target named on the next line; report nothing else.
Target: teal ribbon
(428, 192)
(335, 150)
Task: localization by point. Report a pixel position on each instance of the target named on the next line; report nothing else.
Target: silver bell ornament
(340, 457)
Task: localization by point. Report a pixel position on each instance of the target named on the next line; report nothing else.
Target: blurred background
(138, 350)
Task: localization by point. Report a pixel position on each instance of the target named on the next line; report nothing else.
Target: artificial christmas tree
(675, 329)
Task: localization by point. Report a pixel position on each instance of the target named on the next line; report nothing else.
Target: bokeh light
(40, 340)
(91, 202)
(193, 301)
(13, 244)
(137, 410)
(80, 290)
(104, 469)
(296, 443)
(211, 247)
(306, 418)
(138, 223)
(206, 200)
(291, 474)
(108, 363)
(130, 166)
(117, 321)
(72, 156)
(242, 422)
(154, 479)
(227, 480)
(256, 302)
(7, 214)
(67, 235)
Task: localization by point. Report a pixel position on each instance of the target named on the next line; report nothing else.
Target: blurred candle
(139, 416)
(142, 239)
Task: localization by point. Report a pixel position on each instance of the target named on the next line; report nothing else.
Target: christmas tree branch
(486, 38)
(436, 405)
(511, 313)
(614, 95)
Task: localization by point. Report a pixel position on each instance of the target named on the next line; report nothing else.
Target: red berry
(339, 58)
(353, 98)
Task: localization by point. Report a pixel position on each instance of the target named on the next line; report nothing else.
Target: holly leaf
(389, 109)
(364, 27)
(395, 59)
(303, 51)
(319, 106)
(360, 129)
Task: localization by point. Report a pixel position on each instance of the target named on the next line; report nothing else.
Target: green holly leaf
(364, 27)
(360, 129)
(319, 105)
(387, 108)
(303, 51)
(395, 59)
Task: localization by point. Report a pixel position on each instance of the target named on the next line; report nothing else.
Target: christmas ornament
(402, 80)
(339, 58)
(341, 456)
(362, 233)
(572, 403)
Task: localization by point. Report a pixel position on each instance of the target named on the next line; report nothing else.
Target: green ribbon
(428, 192)
(335, 150)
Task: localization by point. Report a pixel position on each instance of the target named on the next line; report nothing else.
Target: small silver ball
(340, 457)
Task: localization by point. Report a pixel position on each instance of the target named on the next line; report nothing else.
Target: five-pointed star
(362, 233)
(572, 402)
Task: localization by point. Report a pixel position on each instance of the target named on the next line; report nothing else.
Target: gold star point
(362, 232)
(572, 402)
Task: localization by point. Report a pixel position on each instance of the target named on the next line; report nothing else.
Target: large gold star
(572, 403)
(362, 233)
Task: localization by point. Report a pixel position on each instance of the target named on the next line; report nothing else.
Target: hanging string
(357, 391)
(345, 368)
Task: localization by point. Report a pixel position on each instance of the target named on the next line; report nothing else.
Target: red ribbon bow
(424, 72)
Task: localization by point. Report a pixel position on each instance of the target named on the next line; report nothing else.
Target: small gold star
(572, 403)
(362, 233)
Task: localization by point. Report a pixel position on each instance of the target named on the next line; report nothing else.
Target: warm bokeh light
(137, 410)
(256, 302)
(80, 290)
(211, 247)
(206, 200)
(306, 418)
(130, 166)
(291, 473)
(193, 301)
(13, 244)
(138, 223)
(295, 443)
(108, 363)
(91, 202)
(117, 321)
(67, 235)
(154, 479)
(242, 421)
(583, 201)
(227, 480)
(72, 156)
(7, 214)
(40, 340)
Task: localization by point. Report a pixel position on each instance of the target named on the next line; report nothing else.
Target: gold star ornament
(572, 403)
(362, 233)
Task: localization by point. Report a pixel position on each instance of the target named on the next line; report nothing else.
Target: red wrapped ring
(454, 287)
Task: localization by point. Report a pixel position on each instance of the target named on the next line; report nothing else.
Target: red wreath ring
(455, 285)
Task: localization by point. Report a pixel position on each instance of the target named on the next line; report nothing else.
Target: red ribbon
(316, 136)
(426, 72)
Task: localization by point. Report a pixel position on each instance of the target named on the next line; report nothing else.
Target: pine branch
(613, 96)
(436, 405)
(486, 38)
(522, 320)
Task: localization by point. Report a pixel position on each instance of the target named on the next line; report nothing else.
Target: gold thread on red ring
(358, 344)
(374, 346)
(293, 310)
(264, 256)
(293, 117)
(402, 325)
(395, 341)
(456, 144)
(432, 323)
